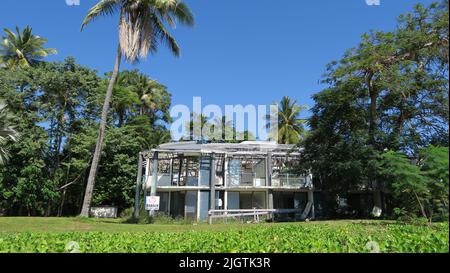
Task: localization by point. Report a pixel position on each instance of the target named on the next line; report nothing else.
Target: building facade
(194, 179)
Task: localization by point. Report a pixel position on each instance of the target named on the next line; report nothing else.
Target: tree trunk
(422, 208)
(372, 108)
(101, 136)
(61, 206)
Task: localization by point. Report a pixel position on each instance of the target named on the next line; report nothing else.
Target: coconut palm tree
(142, 27)
(290, 127)
(22, 49)
(196, 128)
(7, 131)
(223, 128)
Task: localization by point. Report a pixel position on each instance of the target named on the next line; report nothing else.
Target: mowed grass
(36, 224)
(100, 236)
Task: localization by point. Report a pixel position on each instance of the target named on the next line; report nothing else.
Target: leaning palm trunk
(101, 136)
(141, 29)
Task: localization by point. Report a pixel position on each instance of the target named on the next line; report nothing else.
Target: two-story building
(193, 178)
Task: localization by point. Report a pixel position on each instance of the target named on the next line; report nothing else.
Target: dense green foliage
(142, 29)
(380, 125)
(388, 93)
(419, 187)
(279, 238)
(57, 106)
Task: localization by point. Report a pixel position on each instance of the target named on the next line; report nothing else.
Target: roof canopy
(246, 147)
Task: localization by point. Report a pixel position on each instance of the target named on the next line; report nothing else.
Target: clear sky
(240, 52)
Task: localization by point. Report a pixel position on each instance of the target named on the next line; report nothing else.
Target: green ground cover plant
(313, 237)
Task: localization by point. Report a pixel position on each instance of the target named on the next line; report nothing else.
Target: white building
(195, 180)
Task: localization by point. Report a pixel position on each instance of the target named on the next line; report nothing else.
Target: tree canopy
(388, 93)
(57, 110)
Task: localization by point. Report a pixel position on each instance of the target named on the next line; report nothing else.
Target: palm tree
(7, 131)
(290, 127)
(196, 127)
(223, 128)
(141, 29)
(22, 49)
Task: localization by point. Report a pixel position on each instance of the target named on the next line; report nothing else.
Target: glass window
(191, 205)
(164, 202)
(192, 170)
(205, 171)
(234, 170)
(204, 204)
(177, 203)
(233, 200)
(245, 200)
(259, 200)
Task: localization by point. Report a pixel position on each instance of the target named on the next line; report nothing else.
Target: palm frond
(7, 132)
(142, 25)
(165, 37)
(23, 49)
(104, 7)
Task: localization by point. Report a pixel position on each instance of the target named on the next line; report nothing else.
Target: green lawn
(94, 235)
(31, 224)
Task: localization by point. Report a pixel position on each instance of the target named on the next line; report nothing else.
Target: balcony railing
(290, 180)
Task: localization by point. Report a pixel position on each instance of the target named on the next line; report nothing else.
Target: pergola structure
(195, 179)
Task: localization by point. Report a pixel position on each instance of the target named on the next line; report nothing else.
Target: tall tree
(390, 92)
(141, 28)
(22, 49)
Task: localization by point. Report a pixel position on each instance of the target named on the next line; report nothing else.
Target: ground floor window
(191, 205)
(247, 200)
(164, 202)
(177, 203)
(289, 200)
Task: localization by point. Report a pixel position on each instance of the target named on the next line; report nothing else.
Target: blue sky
(240, 52)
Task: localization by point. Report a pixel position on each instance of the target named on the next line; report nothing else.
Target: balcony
(289, 180)
(245, 179)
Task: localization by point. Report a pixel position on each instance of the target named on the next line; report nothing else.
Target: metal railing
(242, 179)
(238, 214)
(290, 180)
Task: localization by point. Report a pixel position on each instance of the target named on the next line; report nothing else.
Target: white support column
(225, 172)
(225, 202)
(146, 176)
(212, 182)
(154, 182)
(199, 195)
(168, 205)
(171, 171)
(269, 170)
(270, 199)
(180, 168)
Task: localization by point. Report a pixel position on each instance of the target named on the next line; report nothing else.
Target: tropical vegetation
(22, 49)
(141, 30)
(380, 124)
